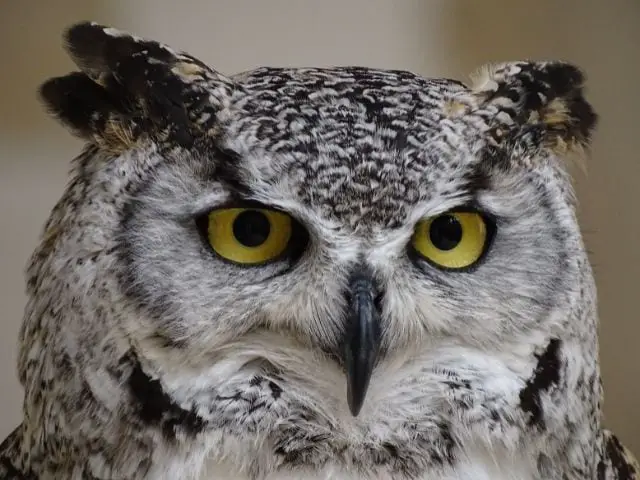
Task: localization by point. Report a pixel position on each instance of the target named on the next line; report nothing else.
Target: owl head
(342, 257)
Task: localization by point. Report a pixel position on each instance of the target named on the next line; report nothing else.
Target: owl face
(345, 239)
(378, 225)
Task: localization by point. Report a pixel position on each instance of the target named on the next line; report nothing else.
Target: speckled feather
(142, 355)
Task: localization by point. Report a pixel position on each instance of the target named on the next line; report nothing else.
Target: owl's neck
(473, 463)
(150, 434)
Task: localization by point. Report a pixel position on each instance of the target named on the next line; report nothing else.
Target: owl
(312, 273)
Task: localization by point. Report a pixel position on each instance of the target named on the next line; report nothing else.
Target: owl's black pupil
(445, 232)
(251, 228)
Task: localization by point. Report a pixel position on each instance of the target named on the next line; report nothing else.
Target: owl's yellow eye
(453, 240)
(249, 236)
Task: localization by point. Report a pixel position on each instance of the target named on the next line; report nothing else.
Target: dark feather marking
(619, 463)
(602, 470)
(10, 472)
(478, 179)
(156, 408)
(276, 390)
(228, 173)
(10, 453)
(546, 374)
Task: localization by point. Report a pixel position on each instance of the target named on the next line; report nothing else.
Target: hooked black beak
(362, 337)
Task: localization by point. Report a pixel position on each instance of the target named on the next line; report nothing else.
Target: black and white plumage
(418, 304)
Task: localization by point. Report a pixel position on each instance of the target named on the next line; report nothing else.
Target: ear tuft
(130, 88)
(89, 111)
(544, 99)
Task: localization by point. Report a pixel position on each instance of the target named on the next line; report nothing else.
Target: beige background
(435, 38)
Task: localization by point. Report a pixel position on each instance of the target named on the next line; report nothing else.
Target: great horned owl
(311, 273)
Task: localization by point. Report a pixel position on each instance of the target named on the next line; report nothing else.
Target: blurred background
(432, 37)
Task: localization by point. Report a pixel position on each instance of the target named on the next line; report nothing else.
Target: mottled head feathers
(129, 89)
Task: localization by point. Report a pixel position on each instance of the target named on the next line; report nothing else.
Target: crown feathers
(129, 88)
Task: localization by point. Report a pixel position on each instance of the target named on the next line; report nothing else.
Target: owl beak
(362, 337)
